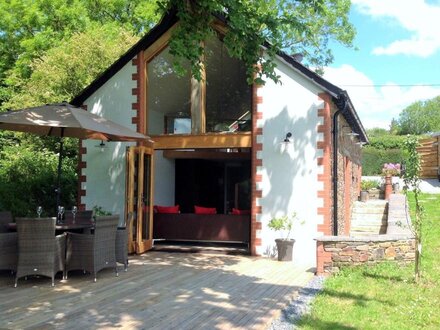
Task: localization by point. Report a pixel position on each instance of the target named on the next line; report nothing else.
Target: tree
(412, 182)
(294, 26)
(29, 28)
(66, 69)
(419, 118)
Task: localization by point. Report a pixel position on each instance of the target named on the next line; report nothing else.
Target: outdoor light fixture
(361, 144)
(284, 146)
(102, 146)
(352, 134)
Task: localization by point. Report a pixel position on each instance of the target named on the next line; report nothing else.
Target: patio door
(139, 198)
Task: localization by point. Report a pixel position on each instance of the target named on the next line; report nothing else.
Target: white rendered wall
(290, 181)
(105, 171)
(164, 180)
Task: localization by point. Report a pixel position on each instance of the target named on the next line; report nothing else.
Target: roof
(340, 97)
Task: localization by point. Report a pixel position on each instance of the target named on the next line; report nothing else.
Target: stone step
(369, 218)
(369, 210)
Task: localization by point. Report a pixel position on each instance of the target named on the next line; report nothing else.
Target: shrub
(28, 179)
(369, 184)
(373, 159)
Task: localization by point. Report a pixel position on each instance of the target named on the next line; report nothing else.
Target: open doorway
(208, 193)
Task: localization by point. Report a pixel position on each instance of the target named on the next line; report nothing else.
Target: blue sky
(397, 61)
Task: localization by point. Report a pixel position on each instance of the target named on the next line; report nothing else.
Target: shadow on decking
(160, 290)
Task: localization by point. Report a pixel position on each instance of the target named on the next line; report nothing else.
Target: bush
(387, 142)
(373, 159)
(28, 179)
(369, 184)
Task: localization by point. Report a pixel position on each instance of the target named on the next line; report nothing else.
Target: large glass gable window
(228, 96)
(169, 97)
(226, 105)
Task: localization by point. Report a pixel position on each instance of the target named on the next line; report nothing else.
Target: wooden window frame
(198, 137)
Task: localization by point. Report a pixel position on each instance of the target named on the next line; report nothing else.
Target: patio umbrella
(66, 120)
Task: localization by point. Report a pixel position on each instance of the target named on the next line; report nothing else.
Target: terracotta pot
(388, 186)
(285, 249)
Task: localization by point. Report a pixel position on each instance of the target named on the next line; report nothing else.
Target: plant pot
(364, 196)
(285, 249)
(373, 193)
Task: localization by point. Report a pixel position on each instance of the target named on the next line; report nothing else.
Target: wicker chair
(93, 252)
(8, 251)
(40, 252)
(122, 242)
(5, 218)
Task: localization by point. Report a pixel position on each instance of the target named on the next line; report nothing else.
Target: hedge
(373, 159)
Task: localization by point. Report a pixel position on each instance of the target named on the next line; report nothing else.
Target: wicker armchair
(122, 242)
(40, 252)
(93, 252)
(5, 218)
(8, 251)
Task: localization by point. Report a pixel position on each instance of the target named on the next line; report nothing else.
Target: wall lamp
(102, 146)
(352, 134)
(285, 145)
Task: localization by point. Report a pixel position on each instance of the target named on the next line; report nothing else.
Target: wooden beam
(196, 154)
(158, 45)
(204, 141)
(198, 101)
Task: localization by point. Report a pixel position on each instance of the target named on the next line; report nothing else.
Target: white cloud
(376, 106)
(416, 16)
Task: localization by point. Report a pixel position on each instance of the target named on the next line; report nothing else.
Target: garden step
(369, 218)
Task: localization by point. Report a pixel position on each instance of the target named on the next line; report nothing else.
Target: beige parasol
(66, 120)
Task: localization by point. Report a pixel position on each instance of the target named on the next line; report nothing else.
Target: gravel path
(299, 306)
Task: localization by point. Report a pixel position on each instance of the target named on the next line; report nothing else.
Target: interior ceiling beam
(205, 154)
(203, 141)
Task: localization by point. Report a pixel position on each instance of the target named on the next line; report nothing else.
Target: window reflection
(169, 97)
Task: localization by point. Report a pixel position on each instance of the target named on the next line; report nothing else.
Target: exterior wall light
(353, 134)
(102, 146)
(286, 144)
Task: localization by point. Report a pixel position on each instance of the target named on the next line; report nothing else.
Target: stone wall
(335, 252)
(398, 244)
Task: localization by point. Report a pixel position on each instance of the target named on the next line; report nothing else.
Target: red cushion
(204, 210)
(239, 212)
(166, 209)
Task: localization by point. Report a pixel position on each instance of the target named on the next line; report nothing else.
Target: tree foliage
(412, 182)
(295, 26)
(28, 179)
(66, 69)
(29, 28)
(421, 117)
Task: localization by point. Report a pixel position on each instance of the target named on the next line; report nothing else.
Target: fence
(429, 151)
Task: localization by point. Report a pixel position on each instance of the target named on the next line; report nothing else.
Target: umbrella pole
(58, 189)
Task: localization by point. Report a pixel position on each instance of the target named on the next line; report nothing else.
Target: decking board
(160, 290)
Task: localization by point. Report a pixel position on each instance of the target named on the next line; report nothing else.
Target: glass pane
(146, 198)
(169, 97)
(228, 96)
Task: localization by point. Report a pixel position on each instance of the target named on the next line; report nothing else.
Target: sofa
(201, 227)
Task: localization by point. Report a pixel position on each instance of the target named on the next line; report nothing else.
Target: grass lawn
(385, 296)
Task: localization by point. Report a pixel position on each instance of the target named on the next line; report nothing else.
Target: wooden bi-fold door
(139, 198)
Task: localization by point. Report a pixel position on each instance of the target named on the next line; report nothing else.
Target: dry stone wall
(349, 251)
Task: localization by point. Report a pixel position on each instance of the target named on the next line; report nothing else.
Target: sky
(397, 61)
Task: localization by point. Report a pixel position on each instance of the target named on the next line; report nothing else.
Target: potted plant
(284, 244)
(369, 189)
(388, 170)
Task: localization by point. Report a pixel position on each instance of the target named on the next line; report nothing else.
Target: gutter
(341, 111)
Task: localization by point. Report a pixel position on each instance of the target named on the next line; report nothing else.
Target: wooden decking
(160, 291)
